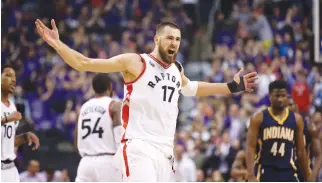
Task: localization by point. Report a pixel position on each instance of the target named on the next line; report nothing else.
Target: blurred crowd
(273, 39)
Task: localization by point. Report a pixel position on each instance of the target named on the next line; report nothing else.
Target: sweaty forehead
(170, 31)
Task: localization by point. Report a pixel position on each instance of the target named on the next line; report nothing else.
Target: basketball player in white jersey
(9, 122)
(98, 133)
(153, 83)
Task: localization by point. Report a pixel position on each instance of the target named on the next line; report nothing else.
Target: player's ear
(156, 39)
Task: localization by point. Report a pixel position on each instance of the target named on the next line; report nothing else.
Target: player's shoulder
(259, 114)
(178, 65)
(10, 108)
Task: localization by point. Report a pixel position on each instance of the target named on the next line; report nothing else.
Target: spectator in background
(265, 76)
(200, 176)
(301, 88)
(260, 27)
(185, 168)
(52, 175)
(32, 173)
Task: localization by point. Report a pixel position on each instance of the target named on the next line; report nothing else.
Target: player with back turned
(272, 136)
(312, 144)
(98, 134)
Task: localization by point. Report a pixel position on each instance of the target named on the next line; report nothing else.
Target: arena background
(218, 38)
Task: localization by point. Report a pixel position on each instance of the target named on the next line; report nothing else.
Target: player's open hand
(51, 36)
(32, 138)
(249, 80)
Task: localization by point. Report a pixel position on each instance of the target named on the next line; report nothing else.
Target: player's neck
(155, 54)
(4, 97)
(278, 112)
(100, 95)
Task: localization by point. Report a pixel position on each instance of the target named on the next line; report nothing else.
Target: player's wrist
(235, 87)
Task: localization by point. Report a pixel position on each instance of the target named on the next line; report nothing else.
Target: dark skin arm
(25, 138)
(238, 171)
(316, 150)
(301, 152)
(75, 137)
(252, 136)
(115, 111)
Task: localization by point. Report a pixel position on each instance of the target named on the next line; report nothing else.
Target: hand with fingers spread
(51, 36)
(246, 82)
(243, 83)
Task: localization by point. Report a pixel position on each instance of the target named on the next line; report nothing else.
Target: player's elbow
(83, 64)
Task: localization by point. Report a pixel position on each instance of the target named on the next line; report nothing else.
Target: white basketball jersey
(95, 128)
(8, 133)
(150, 106)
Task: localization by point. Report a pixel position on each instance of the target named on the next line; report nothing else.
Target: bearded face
(168, 44)
(168, 55)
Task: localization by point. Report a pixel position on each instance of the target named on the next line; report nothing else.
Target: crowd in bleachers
(272, 39)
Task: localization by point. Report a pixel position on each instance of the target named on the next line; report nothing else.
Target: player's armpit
(252, 137)
(300, 147)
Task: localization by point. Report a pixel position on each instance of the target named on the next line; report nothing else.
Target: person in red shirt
(301, 92)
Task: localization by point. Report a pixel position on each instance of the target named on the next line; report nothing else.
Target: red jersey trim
(166, 66)
(127, 169)
(126, 109)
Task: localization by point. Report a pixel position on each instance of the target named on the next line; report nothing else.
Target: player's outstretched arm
(121, 63)
(300, 147)
(316, 150)
(27, 138)
(252, 136)
(199, 88)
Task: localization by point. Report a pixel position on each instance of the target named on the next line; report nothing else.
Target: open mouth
(171, 52)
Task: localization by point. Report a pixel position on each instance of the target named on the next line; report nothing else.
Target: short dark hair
(164, 24)
(7, 66)
(277, 84)
(101, 83)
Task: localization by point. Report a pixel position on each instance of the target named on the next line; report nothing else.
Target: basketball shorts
(142, 162)
(98, 169)
(9, 173)
(272, 174)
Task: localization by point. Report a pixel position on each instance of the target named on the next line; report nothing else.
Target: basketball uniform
(275, 149)
(9, 172)
(96, 142)
(149, 115)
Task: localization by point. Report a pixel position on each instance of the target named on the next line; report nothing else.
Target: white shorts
(10, 175)
(98, 169)
(142, 162)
